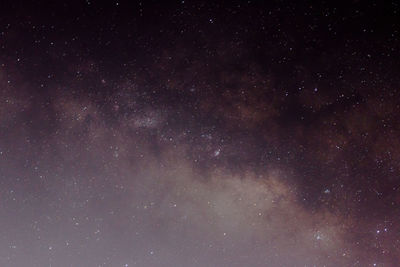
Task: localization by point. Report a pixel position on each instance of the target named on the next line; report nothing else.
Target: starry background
(189, 133)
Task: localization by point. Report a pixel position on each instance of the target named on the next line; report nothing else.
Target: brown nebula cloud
(125, 191)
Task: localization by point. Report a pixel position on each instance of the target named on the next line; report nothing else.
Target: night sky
(199, 134)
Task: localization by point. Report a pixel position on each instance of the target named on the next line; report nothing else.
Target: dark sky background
(189, 133)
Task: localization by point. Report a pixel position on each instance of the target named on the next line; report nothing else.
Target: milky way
(199, 134)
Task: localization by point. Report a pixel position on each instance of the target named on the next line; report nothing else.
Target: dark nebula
(199, 133)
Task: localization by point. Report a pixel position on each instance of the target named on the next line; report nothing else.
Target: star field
(197, 133)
